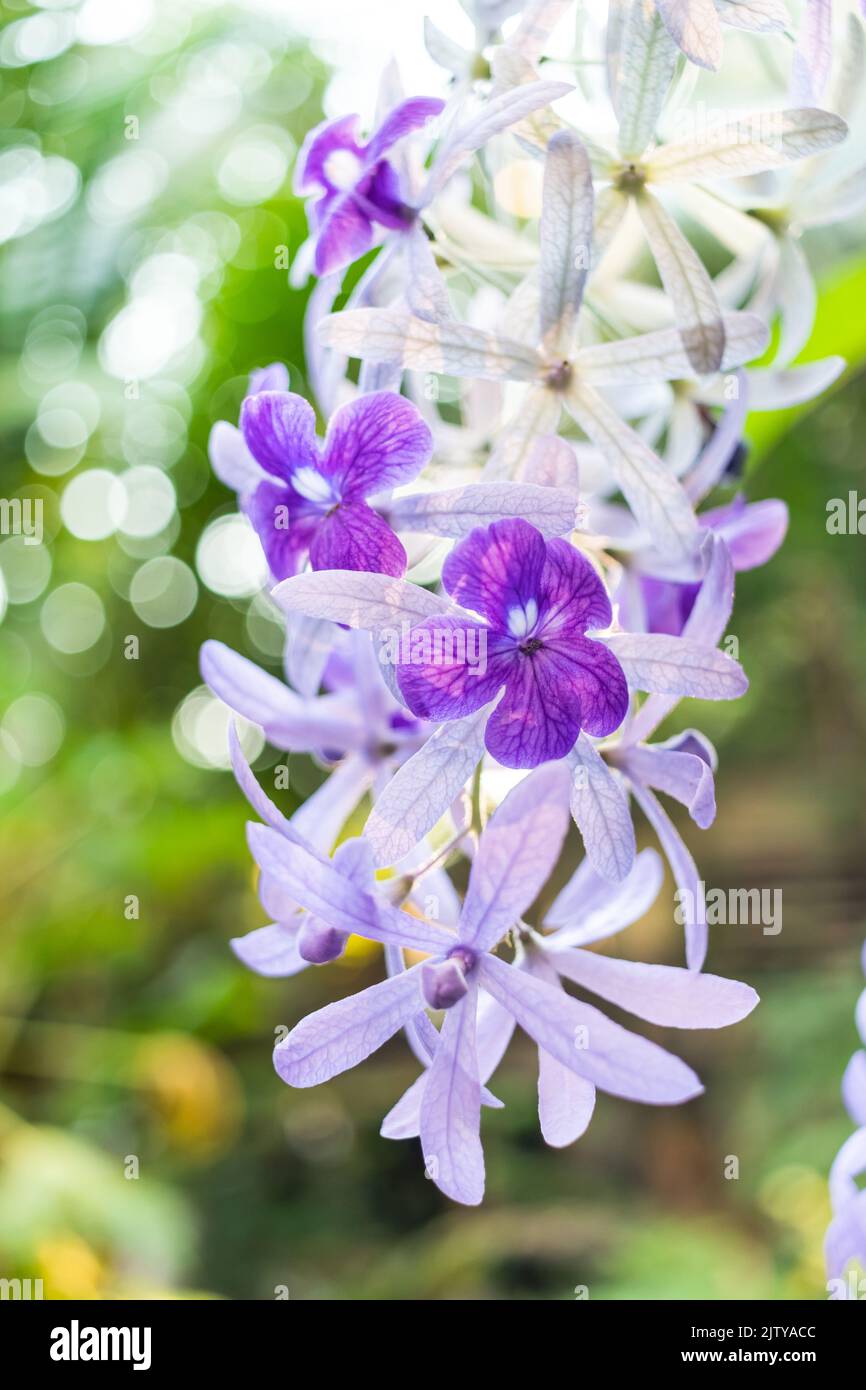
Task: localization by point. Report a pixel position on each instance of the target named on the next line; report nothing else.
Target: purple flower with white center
(845, 1242)
(353, 189)
(309, 501)
(589, 909)
(537, 599)
(517, 851)
(312, 499)
(423, 789)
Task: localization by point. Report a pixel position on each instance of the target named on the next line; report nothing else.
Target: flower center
(558, 377)
(632, 178)
(533, 645)
(521, 619)
(343, 169)
(310, 484)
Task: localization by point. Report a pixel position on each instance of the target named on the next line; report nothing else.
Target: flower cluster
(496, 569)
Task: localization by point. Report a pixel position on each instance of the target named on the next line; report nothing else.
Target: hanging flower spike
(537, 600)
(358, 188)
(309, 500)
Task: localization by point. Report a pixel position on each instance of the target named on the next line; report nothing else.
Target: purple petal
(854, 1088)
(425, 787)
(408, 116)
(318, 942)
(565, 1100)
(454, 667)
(538, 718)
(753, 531)
(685, 776)
(590, 908)
(596, 678)
(324, 140)
(272, 378)
(345, 234)
(451, 1108)
(517, 853)
(271, 951)
(573, 597)
(289, 721)
(354, 537)
(582, 1039)
(375, 442)
(497, 569)
(325, 892)
(231, 460)
(286, 525)
(342, 1034)
(685, 875)
(279, 429)
(599, 805)
(663, 994)
(706, 622)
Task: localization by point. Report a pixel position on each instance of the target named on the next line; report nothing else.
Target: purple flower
(517, 852)
(589, 909)
(308, 499)
(537, 599)
(357, 187)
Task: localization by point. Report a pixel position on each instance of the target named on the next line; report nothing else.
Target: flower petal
(331, 895)
(271, 951)
(279, 429)
(538, 718)
(664, 994)
(345, 234)
(751, 144)
(565, 1100)
(408, 116)
(457, 511)
(342, 1034)
(516, 854)
(601, 812)
(688, 284)
(654, 661)
(395, 335)
(573, 596)
(565, 233)
(451, 1107)
(354, 537)
(582, 1039)
(694, 27)
(425, 786)
(655, 497)
(590, 908)
(375, 442)
(231, 460)
(496, 569)
(647, 59)
(370, 601)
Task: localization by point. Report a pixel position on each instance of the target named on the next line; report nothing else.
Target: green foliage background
(142, 1045)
